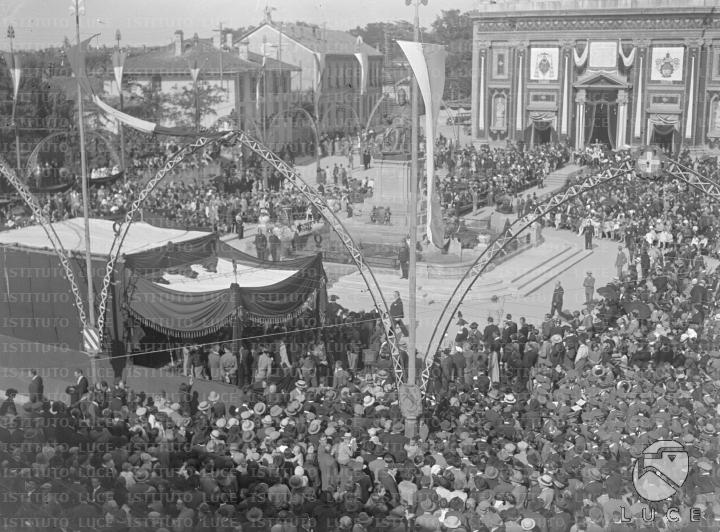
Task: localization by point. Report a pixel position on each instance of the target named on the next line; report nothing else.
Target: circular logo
(661, 470)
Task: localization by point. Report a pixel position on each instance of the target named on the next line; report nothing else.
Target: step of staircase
(558, 269)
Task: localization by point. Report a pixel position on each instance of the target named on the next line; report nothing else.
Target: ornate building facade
(614, 72)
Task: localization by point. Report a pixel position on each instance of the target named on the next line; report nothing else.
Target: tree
(454, 30)
(182, 103)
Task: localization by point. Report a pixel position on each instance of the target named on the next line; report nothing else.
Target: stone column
(565, 104)
(693, 48)
(520, 53)
(481, 47)
(580, 98)
(622, 100)
(642, 52)
(475, 88)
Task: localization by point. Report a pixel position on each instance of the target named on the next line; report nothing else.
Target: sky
(43, 23)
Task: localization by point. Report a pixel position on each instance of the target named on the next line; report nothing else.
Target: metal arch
(32, 159)
(673, 168)
(297, 109)
(496, 248)
(240, 137)
(57, 244)
(382, 98)
(334, 106)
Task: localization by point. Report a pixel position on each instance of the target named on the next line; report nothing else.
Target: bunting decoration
(580, 60)
(629, 59)
(76, 56)
(424, 59)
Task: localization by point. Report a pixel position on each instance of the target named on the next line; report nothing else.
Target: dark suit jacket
(82, 386)
(36, 389)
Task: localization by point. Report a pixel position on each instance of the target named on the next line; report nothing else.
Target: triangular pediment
(605, 80)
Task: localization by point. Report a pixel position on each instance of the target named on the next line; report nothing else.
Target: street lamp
(411, 421)
(77, 8)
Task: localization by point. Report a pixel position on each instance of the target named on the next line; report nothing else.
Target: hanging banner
(118, 59)
(667, 63)
(363, 60)
(544, 64)
(424, 59)
(319, 72)
(13, 63)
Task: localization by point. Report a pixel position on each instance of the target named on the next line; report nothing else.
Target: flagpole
(86, 208)
(118, 36)
(11, 36)
(411, 421)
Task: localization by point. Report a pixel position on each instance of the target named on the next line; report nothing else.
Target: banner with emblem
(544, 64)
(667, 63)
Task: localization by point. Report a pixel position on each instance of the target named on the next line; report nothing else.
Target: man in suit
(35, 388)
(404, 259)
(397, 312)
(81, 383)
(510, 328)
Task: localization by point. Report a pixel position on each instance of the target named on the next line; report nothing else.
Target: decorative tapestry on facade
(544, 64)
(667, 63)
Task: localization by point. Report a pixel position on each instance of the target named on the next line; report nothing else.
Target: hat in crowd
(259, 408)
(213, 396)
(301, 385)
(545, 481)
(528, 523)
(204, 406)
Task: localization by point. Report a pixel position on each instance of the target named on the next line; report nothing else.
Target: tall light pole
(411, 421)
(77, 8)
(15, 72)
(118, 65)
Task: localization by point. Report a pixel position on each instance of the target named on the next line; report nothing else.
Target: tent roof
(141, 237)
(248, 276)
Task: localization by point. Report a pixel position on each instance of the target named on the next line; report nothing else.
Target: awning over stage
(142, 237)
(201, 304)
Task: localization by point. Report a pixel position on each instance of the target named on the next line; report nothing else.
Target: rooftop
(318, 39)
(163, 60)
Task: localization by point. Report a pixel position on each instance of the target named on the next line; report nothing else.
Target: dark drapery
(612, 124)
(589, 122)
(174, 255)
(192, 315)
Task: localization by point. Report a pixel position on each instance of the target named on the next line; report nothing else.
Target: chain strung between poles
(57, 244)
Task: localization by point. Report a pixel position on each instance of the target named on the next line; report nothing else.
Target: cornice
(617, 21)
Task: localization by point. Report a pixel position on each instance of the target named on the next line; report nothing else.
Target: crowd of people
(493, 176)
(525, 427)
(246, 191)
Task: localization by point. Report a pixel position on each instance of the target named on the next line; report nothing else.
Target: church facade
(614, 72)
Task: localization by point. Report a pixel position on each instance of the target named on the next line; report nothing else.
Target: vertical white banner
(425, 59)
(363, 60)
(691, 101)
(519, 97)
